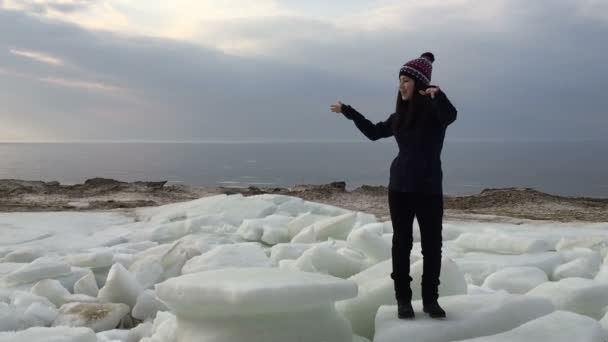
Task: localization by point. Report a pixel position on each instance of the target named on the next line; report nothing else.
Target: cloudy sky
(269, 69)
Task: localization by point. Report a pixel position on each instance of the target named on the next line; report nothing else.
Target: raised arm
(446, 112)
(382, 129)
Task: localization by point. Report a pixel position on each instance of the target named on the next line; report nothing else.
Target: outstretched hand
(337, 107)
(431, 91)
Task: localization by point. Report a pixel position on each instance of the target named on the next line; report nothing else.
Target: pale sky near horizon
(269, 69)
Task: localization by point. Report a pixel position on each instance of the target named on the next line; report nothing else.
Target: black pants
(428, 209)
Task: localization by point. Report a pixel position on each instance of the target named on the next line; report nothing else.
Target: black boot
(434, 310)
(403, 294)
(405, 310)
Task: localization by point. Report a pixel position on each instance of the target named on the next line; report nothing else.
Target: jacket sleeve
(446, 112)
(382, 129)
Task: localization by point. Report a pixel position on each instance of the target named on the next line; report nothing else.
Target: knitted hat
(419, 69)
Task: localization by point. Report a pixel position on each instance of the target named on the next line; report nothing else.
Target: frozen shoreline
(504, 205)
(225, 266)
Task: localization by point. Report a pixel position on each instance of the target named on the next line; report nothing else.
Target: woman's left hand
(430, 91)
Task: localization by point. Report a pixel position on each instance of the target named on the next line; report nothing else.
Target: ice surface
(368, 239)
(148, 271)
(9, 267)
(583, 296)
(255, 229)
(234, 255)
(273, 235)
(248, 304)
(357, 338)
(163, 233)
(39, 269)
(306, 235)
(86, 285)
(310, 325)
(114, 335)
(325, 209)
(302, 221)
(467, 317)
(22, 300)
(164, 328)
(518, 280)
(37, 314)
(69, 280)
(477, 266)
(376, 288)
(577, 268)
(8, 317)
(232, 209)
(55, 334)
(139, 332)
(121, 287)
(558, 326)
(335, 227)
(175, 257)
(581, 252)
(291, 206)
(283, 251)
(60, 231)
(478, 290)
(451, 278)
(593, 242)
(325, 259)
(91, 260)
(79, 248)
(242, 291)
(98, 317)
(147, 305)
(604, 323)
(52, 290)
(24, 255)
(124, 259)
(501, 243)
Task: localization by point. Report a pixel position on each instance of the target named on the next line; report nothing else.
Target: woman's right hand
(337, 107)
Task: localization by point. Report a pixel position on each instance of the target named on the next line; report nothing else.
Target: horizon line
(217, 141)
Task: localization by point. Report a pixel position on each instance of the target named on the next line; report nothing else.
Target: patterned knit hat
(419, 69)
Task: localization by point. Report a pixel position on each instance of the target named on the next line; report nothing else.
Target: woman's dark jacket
(417, 167)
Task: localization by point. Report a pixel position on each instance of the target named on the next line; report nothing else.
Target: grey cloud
(282, 28)
(540, 80)
(43, 7)
(187, 92)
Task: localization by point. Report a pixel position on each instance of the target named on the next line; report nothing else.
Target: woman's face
(406, 87)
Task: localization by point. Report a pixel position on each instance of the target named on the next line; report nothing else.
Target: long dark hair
(409, 110)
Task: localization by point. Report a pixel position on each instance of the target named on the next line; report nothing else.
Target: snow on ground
(277, 268)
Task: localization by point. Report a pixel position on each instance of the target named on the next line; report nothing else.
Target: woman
(419, 123)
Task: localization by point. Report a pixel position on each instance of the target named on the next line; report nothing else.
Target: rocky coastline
(505, 204)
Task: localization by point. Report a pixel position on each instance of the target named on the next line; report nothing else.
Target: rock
(102, 182)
